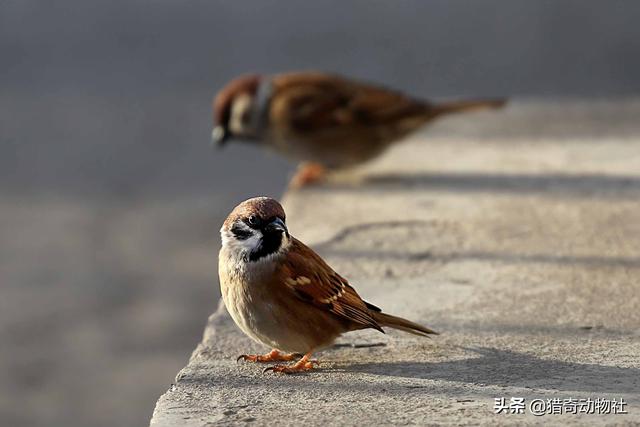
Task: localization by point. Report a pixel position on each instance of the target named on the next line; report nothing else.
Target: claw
(302, 365)
(272, 356)
(295, 369)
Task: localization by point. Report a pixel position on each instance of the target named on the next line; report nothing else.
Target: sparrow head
(234, 109)
(255, 229)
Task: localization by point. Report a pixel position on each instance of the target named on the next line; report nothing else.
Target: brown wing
(309, 278)
(317, 101)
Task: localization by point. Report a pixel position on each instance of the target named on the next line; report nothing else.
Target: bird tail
(405, 325)
(468, 105)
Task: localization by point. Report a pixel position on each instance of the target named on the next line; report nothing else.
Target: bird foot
(308, 173)
(302, 365)
(272, 356)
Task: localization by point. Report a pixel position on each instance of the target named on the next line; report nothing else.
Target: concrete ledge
(516, 234)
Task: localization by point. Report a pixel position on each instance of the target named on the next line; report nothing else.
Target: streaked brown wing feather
(316, 101)
(380, 105)
(308, 277)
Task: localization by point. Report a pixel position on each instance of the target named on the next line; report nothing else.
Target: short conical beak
(219, 136)
(277, 225)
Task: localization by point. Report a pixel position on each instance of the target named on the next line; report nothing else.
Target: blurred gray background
(111, 197)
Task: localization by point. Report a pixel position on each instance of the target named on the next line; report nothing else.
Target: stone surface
(515, 234)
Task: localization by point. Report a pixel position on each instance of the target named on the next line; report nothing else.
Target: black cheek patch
(241, 233)
(270, 244)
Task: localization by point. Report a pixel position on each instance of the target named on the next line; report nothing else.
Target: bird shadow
(490, 367)
(553, 184)
(509, 368)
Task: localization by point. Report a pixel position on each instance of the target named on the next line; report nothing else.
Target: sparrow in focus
(324, 120)
(282, 294)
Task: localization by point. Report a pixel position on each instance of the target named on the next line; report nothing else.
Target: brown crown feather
(264, 207)
(222, 101)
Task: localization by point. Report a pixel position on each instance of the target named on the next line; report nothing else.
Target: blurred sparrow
(283, 295)
(326, 121)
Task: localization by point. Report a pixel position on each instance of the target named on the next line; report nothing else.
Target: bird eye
(253, 220)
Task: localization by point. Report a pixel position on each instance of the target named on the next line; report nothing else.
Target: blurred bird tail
(405, 325)
(469, 105)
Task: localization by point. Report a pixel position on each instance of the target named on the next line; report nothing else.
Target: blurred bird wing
(317, 101)
(310, 279)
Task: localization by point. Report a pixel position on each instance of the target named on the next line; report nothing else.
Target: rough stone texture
(515, 234)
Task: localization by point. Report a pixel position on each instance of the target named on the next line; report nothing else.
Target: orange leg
(302, 365)
(273, 356)
(307, 173)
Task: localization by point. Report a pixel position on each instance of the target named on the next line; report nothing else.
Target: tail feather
(468, 105)
(405, 325)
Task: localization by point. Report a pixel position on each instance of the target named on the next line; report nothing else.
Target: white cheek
(239, 110)
(232, 242)
(251, 243)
